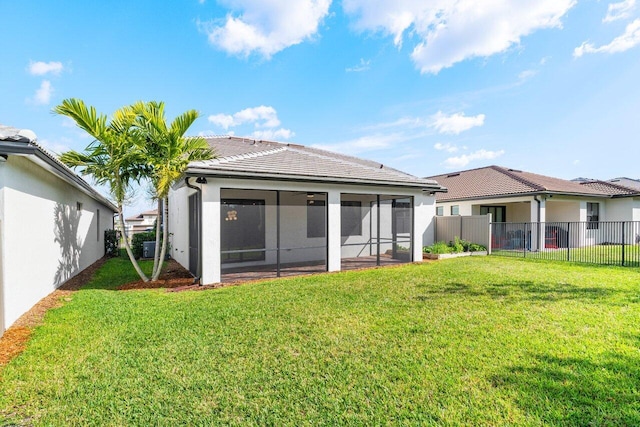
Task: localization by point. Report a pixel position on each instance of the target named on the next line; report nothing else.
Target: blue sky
(426, 86)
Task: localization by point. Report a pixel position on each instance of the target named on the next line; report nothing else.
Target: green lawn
(600, 254)
(468, 341)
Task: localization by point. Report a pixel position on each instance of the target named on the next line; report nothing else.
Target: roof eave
(26, 150)
(192, 172)
(531, 193)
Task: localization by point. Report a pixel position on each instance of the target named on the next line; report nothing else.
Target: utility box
(148, 249)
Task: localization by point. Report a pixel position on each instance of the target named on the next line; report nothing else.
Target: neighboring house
(515, 196)
(265, 206)
(626, 182)
(140, 223)
(52, 223)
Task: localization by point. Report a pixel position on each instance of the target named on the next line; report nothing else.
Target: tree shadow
(524, 290)
(577, 391)
(67, 221)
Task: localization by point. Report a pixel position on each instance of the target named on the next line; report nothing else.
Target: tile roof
(25, 142)
(611, 188)
(140, 216)
(626, 182)
(493, 181)
(243, 157)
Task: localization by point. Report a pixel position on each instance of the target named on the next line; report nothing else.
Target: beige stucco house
(515, 196)
(52, 223)
(267, 208)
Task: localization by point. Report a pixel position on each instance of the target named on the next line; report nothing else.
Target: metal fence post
(623, 240)
(568, 241)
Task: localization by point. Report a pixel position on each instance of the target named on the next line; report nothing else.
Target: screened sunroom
(265, 209)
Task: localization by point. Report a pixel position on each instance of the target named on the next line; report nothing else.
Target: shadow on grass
(526, 290)
(577, 391)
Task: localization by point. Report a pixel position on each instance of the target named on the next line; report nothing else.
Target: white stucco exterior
(50, 230)
(293, 217)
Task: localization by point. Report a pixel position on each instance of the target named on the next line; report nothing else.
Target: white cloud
(40, 68)
(445, 147)
(465, 159)
(626, 41)
(619, 10)
(362, 66)
(262, 116)
(267, 27)
(43, 93)
(364, 143)
(452, 31)
(455, 123)
(271, 134)
(527, 74)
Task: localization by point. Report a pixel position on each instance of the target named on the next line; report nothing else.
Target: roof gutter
(193, 172)
(21, 149)
(536, 193)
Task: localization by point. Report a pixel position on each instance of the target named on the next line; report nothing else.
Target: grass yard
(599, 254)
(467, 341)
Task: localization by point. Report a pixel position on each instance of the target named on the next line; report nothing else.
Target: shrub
(437, 248)
(456, 246)
(111, 238)
(475, 247)
(137, 242)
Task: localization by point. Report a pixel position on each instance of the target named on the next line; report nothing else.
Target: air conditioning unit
(148, 249)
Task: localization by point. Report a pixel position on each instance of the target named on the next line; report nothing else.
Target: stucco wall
(293, 217)
(562, 211)
(179, 224)
(619, 209)
(46, 239)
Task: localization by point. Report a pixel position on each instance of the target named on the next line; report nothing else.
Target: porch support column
(333, 232)
(211, 260)
(424, 211)
(542, 220)
(538, 216)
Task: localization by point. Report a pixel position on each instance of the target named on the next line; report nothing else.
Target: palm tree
(168, 152)
(113, 158)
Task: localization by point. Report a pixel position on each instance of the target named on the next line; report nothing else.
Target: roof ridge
(522, 180)
(611, 184)
(462, 171)
(345, 159)
(245, 156)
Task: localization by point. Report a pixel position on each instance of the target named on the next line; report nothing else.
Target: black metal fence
(606, 243)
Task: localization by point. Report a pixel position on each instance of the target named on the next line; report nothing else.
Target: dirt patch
(173, 276)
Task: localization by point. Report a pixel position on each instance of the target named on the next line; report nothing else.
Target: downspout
(198, 277)
(538, 221)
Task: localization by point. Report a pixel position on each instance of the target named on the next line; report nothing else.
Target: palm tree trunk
(128, 247)
(165, 233)
(156, 255)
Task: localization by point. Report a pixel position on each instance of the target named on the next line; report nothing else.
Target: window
(455, 210)
(593, 216)
(316, 218)
(440, 210)
(498, 213)
(242, 228)
(351, 218)
(402, 217)
(78, 206)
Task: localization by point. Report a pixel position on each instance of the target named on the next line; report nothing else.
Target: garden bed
(453, 255)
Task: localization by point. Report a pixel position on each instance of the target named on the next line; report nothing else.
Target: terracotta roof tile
(492, 181)
(248, 157)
